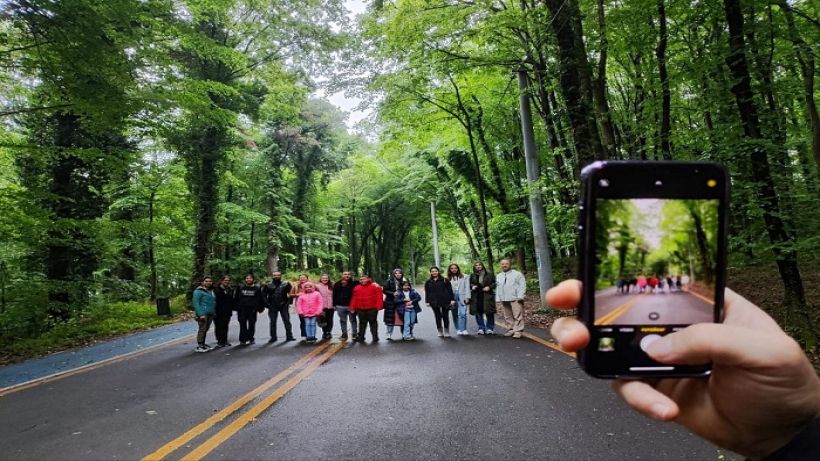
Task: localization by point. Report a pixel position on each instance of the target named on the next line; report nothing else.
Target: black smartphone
(653, 259)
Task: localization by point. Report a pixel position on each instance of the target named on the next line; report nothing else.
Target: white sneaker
(465, 332)
(446, 333)
(201, 349)
(480, 331)
(490, 332)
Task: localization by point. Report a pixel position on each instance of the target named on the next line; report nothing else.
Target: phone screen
(656, 264)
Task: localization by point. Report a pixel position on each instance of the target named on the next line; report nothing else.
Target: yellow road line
(710, 301)
(540, 340)
(618, 311)
(231, 429)
(91, 366)
(197, 430)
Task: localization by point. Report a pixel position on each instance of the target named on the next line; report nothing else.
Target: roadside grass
(99, 322)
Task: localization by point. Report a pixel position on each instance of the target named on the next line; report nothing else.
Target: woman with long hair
(438, 294)
(325, 288)
(461, 294)
(296, 291)
(482, 298)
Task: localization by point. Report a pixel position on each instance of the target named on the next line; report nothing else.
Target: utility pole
(539, 226)
(435, 233)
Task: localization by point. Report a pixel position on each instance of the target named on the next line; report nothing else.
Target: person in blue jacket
(204, 303)
(408, 307)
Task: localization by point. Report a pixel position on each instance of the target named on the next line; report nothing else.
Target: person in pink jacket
(310, 305)
(325, 288)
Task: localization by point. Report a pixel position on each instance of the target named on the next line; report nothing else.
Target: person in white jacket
(509, 291)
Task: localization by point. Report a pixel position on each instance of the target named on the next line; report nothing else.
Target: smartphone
(652, 260)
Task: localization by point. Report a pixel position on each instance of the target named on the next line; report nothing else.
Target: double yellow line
(618, 311)
(309, 363)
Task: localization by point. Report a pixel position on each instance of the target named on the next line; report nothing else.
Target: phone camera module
(603, 182)
(659, 183)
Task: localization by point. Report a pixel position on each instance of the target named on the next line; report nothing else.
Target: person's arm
(520, 287)
(762, 394)
(196, 302)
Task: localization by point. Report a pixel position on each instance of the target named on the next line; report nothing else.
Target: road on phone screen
(475, 397)
(661, 308)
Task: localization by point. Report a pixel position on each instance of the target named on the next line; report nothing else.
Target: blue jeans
(461, 311)
(310, 327)
(490, 325)
(409, 320)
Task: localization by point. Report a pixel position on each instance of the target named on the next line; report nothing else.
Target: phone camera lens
(603, 183)
(659, 183)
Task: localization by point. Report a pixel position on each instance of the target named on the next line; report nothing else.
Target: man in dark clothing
(342, 292)
(224, 309)
(276, 297)
(248, 301)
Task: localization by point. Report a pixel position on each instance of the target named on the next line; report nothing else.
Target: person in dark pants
(278, 301)
(248, 301)
(438, 294)
(482, 298)
(366, 302)
(204, 303)
(342, 292)
(295, 292)
(224, 310)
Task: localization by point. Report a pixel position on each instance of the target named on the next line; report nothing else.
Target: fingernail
(660, 411)
(660, 349)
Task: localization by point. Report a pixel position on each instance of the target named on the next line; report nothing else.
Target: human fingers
(571, 334)
(724, 344)
(566, 295)
(646, 399)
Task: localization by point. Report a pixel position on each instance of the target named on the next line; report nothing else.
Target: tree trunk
(152, 261)
(600, 91)
(666, 98)
(782, 245)
(805, 57)
(575, 80)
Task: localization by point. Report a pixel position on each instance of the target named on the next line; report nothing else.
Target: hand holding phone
(652, 260)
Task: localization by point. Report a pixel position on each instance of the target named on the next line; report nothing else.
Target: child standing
(407, 305)
(309, 306)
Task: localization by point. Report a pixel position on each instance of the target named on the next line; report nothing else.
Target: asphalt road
(471, 397)
(676, 308)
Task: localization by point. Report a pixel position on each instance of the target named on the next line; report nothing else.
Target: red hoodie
(366, 297)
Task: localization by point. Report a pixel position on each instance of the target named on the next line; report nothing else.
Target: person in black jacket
(278, 302)
(248, 301)
(224, 310)
(391, 288)
(342, 292)
(438, 294)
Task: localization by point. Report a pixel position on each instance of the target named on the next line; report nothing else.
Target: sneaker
(290, 338)
(201, 348)
(489, 332)
(241, 343)
(207, 346)
(227, 344)
(411, 338)
(509, 333)
(253, 341)
(440, 334)
(219, 346)
(446, 333)
(465, 333)
(480, 331)
(517, 335)
(390, 338)
(272, 340)
(376, 339)
(343, 337)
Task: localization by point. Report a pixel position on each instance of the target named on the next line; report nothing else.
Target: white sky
(348, 105)
(651, 209)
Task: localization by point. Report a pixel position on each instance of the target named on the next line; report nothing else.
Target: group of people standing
(358, 301)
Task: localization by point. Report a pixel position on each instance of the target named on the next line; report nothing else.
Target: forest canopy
(145, 144)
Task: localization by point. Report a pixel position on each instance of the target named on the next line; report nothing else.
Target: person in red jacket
(366, 302)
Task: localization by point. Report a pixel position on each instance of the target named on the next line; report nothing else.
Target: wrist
(795, 445)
